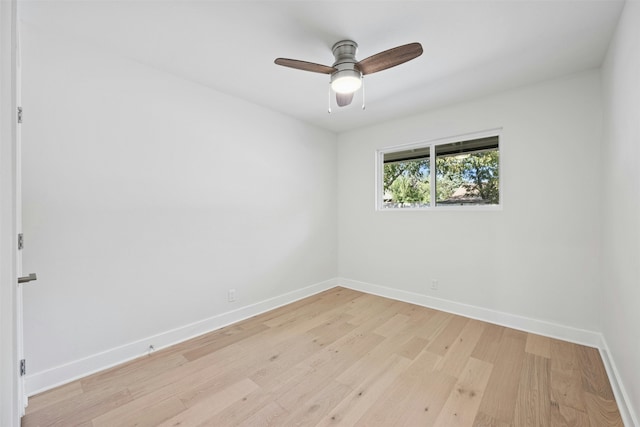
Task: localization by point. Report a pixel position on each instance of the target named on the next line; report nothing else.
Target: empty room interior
(225, 235)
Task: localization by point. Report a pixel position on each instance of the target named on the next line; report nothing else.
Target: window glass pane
(406, 180)
(467, 173)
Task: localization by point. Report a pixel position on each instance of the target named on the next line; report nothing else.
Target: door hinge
(20, 241)
(19, 114)
(23, 368)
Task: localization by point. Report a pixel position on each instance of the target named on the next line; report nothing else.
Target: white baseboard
(527, 324)
(629, 417)
(44, 380)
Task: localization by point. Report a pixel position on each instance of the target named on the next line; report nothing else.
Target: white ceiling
(471, 48)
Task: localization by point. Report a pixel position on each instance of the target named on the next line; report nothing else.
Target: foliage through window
(459, 173)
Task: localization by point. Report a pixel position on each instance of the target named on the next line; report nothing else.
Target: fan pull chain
(362, 78)
(329, 100)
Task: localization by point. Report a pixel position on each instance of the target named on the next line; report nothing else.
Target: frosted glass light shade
(346, 81)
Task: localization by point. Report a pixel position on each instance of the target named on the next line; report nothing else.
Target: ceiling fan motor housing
(348, 77)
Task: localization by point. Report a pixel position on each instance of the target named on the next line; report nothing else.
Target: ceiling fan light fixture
(347, 72)
(346, 81)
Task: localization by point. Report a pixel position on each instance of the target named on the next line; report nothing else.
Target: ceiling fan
(347, 72)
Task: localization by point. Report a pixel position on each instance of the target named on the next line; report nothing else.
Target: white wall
(538, 257)
(146, 197)
(621, 152)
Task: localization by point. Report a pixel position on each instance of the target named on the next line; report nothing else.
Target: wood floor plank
(287, 309)
(566, 376)
(370, 361)
(217, 369)
(361, 398)
(361, 308)
(425, 398)
(151, 414)
(563, 351)
(335, 298)
(264, 398)
(226, 337)
(256, 402)
(602, 412)
(594, 375)
(484, 420)
(312, 319)
(374, 313)
(566, 389)
(81, 409)
(270, 414)
(500, 398)
(434, 325)
(132, 372)
(460, 350)
(462, 405)
(210, 406)
(333, 328)
(203, 373)
(443, 341)
(538, 345)
(55, 396)
(326, 366)
(412, 347)
(533, 404)
(392, 326)
(273, 363)
(406, 397)
(564, 416)
(321, 403)
(263, 367)
(343, 357)
(488, 345)
(401, 340)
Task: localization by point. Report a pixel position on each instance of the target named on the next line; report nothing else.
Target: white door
(22, 280)
(11, 388)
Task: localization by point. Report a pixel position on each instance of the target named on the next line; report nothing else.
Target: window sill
(443, 208)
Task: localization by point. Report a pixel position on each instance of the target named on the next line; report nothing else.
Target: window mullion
(432, 175)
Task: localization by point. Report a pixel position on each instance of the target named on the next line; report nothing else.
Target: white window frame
(379, 169)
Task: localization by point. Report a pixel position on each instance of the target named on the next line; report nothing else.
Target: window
(461, 171)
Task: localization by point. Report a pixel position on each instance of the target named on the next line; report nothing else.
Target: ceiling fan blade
(344, 99)
(305, 66)
(390, 58)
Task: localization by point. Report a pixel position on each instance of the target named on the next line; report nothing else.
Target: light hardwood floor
(345, 358)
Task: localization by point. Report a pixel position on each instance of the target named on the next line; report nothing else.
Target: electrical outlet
(231, 295)
(434, 284)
